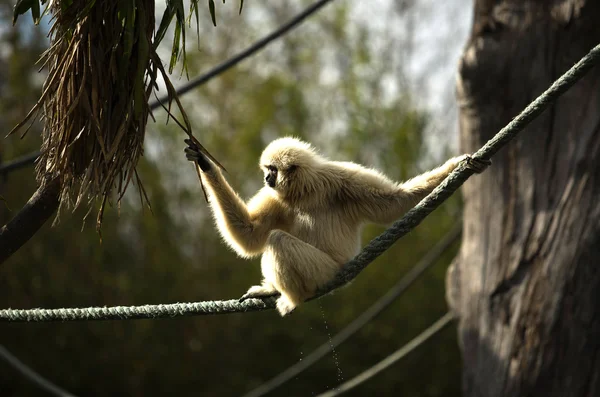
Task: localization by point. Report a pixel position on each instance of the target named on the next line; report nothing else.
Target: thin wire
(31, 375)
(369, 253)
(386, 300)
(226, 65)
(399, 354)
(283, 29)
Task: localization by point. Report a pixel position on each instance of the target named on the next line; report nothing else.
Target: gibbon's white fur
(306, 220)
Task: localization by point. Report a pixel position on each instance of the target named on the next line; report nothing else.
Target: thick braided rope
(137, 312)
(375, 248)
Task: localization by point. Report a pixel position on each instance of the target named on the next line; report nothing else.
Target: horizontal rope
(399, 354)
(376, 308)
(375, 248)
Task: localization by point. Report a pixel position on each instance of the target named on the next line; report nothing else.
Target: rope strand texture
(375, 248)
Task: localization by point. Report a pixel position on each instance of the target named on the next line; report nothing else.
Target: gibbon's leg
(295, 268)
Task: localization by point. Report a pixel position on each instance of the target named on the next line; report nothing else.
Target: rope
(399, 354)
(386, 300)
(33, 376)
(228, 64)
(19, 162)
(202, 79)
(375, 248)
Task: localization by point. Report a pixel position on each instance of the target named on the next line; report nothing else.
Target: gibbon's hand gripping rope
(375, 248)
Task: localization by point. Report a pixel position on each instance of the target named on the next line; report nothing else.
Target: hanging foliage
(102, 69)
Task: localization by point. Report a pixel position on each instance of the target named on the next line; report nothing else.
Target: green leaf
(164, 23)
(197, 19)
(175, 49)
(211, 7)
(35, 12)
(180, 14)
(22, 7)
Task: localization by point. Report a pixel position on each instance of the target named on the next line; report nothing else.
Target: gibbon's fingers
(477, 165)
(247, 296)
(259, 292)
(193, 153)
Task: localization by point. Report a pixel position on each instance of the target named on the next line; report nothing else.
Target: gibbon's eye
(271, 175)
(292, 168)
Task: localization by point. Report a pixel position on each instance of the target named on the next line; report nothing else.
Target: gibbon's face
(285, 163)
(276, 179)
(271, 175)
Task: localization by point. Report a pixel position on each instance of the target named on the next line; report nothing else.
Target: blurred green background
(338, 81)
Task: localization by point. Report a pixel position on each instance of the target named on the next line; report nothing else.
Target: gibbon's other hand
(477, 165)
(192, 153)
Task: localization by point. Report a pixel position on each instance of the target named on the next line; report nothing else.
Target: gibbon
(306, 221)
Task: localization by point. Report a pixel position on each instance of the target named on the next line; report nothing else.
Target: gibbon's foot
(284, 306)
(259, 291)
(477, 165)
(192, 153)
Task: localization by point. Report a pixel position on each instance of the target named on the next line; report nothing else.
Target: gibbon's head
(291, 168)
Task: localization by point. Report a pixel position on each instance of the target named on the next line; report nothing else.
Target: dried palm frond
(102, 66)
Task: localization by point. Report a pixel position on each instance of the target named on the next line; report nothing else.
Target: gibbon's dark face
(277, 178)
(271, 175)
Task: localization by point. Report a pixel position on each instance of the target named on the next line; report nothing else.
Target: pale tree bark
(526, 283)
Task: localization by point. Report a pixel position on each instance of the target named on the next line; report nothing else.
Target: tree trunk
(526, 283)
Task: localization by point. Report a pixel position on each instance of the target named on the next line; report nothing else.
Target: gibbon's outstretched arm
(245, 228)
(386, 201)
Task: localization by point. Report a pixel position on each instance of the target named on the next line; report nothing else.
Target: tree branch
(18, 163)
(29, 220)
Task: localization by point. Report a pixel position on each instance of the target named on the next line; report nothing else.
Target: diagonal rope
(202, 79)
(399, 354)
(31, 375)
(382, 303)
(375, 248)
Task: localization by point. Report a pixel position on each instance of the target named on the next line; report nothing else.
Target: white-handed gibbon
(306, 221)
